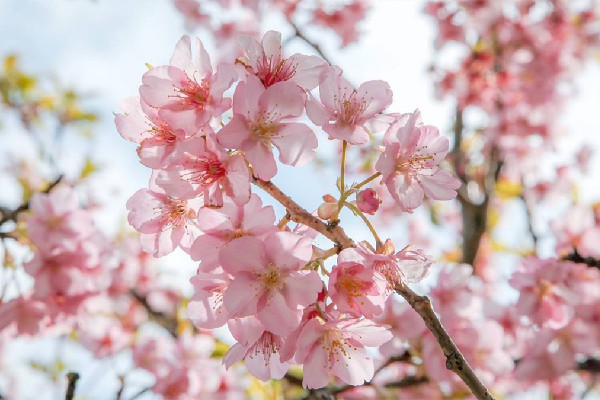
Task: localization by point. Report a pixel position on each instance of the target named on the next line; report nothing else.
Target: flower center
(334, 342)
(266, 346)
(193, 94)
(350, 107)
(271, 71)
(163, 133)
(205, 171)
(271, 279)
(263, 129)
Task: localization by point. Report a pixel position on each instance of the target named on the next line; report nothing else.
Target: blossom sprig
(257, 277)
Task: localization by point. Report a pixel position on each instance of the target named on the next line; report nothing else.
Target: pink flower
(266, 61)
(345, 111)
(577, 231)
(543, 292)
(164, 222)
(57, 219)
(269, 281)
(368, 201)
(409, 164)
(28, 316)
(259, 348)
(337, 348)
(222, 225)
(65, 273)
(455, 296)
(409, 265)
(188, 88)
(192, 14)
(157, 138)
(205, 169)
(357, 289)
(258, 124)
(343, 21)
(206, 306)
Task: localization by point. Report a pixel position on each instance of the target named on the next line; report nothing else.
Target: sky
(100, 48)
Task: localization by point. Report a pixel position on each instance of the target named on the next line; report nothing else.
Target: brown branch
(529, 216)
(299, 215)
(72, 377)
(578, 258)
(590, 365)
(12, 215)
(455, 361)
(166, 321)
(299, 34)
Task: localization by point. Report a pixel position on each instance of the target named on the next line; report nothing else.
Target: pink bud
(328, 208)
(368, 201)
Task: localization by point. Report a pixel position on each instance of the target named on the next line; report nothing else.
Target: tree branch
(578, 258)
(299, 215)
(72, 377)
(299, 34)
(455, 361)
(167, 322)
(11, 215)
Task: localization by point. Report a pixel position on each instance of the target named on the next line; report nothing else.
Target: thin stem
(343, 168)
(300, 35)
(357, 211)
(368, 180)
(284, 221)
(343, 194)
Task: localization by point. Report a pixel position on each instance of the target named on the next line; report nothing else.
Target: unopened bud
(328, 208)
(368, 201)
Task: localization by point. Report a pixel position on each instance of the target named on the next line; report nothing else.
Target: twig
(121, 387)
(163, 320)
(72, 378)
(578, 258)
(140, 393)
(529, 216)
(590, 365)
(11, 215)
(299, 215)
(455, 361)
(299, 34)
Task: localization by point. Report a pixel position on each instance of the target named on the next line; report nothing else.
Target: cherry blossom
(206, 169)
(260, 349)
(187, 87)
(344, 111)
(222, 225)
(258, 123)
(409, 164)
(269, 281)
(164, 222)
(265, 60)
(337, 348)
(156, 137)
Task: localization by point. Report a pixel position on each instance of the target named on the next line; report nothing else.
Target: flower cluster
(260, 279)
(342, 18)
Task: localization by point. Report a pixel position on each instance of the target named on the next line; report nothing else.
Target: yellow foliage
(89, 167)
(10, 62)
(507, 189)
